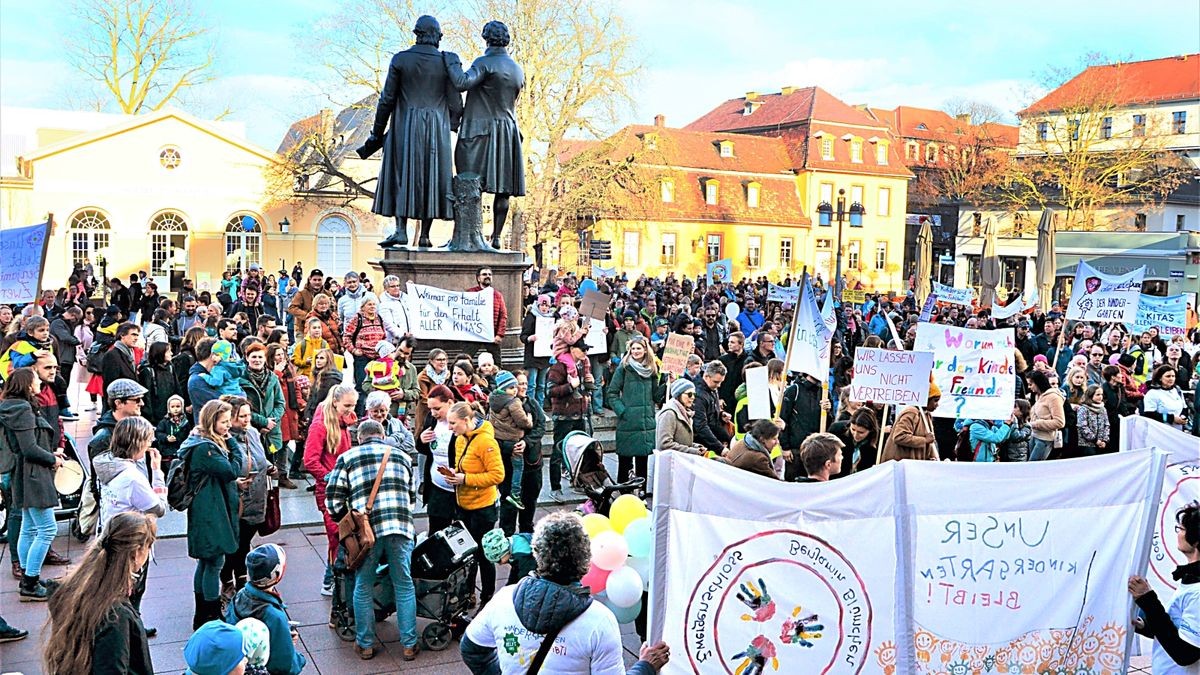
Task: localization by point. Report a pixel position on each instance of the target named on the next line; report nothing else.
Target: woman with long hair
(289, 425)
(860, 440)
(635, 391)
(94, 627)
(465, 385)
(216, 462)
(181, 363)
(1164, 399)
(326, 375)
(433, 441)
(324, 310)
(328, 437)
(433, 374)
(477, 471)
(158, 377)
(254, 477)
(32, 439)
(1047, 417)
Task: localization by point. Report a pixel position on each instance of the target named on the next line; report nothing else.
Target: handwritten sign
(24, 258)
(785, 294)
(594, 305)
(1168, 315)
(810, 336)
(676, 353)
(854, 296)
(973, 368)
(1096, 296)
(883, 376)
(927, 308)
(952, 295)
(758, 389)
(439, 314)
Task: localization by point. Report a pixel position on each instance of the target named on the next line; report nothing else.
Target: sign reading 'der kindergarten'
(882, 376)
(973, 368)
(1096, 296)
(24, 250)
(439, 314)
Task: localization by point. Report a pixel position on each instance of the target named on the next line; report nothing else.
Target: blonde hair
(330, 362)
(207, 422)
(333, 424)
(130, 434)
(648, 359)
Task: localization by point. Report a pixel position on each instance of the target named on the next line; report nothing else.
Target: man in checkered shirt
(349, 487)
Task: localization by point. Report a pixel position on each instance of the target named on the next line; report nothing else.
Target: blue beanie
(682, 386)
(214, 649)
(504, 380)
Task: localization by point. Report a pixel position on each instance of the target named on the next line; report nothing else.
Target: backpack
(95, 355)
(963, 452)
(181, 491)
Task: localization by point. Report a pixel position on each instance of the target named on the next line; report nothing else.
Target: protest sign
(720, 271)
(1104, 297)
(543, 346)
(785, 294)
(1013, 308)
(953, 296)
(879, 573)
(440, 314)
(594, 305)
(758, 389)
(927, 308)
(24, 258)
(883, 376)
(1168, 315)
(973, 368)
(676, 352)
(854, 296)
(809, 335)
(600, 272)
(597, 339)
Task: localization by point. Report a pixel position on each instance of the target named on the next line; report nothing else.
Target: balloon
(594, 524)
(585, 286)
(624, 587)
(625, 510)
(639, 537)
(732, 310)
(623, 614)
(642, 565)
(249, 223)
(609, 550)
(595, 579)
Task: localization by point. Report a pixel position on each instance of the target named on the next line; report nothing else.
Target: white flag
(808, 336)
(1013, 308)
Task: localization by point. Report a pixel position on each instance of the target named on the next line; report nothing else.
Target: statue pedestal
(456, 271)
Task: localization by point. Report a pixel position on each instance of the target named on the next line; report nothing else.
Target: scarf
(638, 367)
(753, 444)
(1098, 409)
(437, 378)
(1188, 574)
(259, 378)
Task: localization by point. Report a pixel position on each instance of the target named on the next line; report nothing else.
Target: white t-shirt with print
(1184, 611)
(440, 450)
(589, 644)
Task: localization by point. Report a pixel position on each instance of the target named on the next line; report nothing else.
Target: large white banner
(880, 573)
(439, 314)
(974, 369)
(899, 378)
(1104, 297)
(1016, 306)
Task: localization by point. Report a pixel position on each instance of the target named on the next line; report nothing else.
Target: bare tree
(976, 152)
(145, 53)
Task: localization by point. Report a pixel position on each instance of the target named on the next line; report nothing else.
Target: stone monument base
(456, 271)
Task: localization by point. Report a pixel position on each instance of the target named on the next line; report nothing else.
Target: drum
(69, 478)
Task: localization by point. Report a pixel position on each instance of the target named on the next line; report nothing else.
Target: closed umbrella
(1045, 264)
(924, 261)
(989, 265)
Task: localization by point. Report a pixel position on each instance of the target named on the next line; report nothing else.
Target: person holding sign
(1174, 628)
(1164, 399)
(912, 432)
(635, 389)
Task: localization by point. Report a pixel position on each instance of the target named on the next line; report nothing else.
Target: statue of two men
(421, 101)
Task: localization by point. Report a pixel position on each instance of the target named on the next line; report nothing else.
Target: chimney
(660, 121)
(965, 118)
(752, 96)
(326, 123)
(788, 89)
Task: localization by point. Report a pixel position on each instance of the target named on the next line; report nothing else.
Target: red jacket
(317, 461)
(499, 310)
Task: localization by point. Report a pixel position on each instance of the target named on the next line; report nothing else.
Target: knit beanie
(384, 349)
(223, 349)
(495, 545)
(682, 386)
(504, 380)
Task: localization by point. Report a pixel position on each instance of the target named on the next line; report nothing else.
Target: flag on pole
(721, 271)
(808, 335)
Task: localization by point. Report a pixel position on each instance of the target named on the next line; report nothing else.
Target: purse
(273, 520)
(354, 529)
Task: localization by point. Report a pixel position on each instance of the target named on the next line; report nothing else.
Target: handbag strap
(544, 650)
(378, 478)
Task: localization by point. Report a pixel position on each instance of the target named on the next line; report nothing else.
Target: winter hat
(682, 386)
(302, 381)
(934, 390)
(216, 648)
(112, 311)
(545, 297)
(1042, 358)
(495, 545)
(1126, 360)
(256, 641)
(175, 397)
(222, 349)
(568, 312)
(265, 565)
(125, 388)
(384, 348)
(504, 380)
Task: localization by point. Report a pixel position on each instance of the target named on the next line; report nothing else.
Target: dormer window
(922, 127)
(856, 150)
(726, 148)
(711, 188)
(753, 188)
(750, 107)
(668, 191)
(650, 141)
(881, 153)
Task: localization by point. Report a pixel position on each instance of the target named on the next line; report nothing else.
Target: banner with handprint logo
(1110, 298)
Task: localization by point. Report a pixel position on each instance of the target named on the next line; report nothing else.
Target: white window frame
(883, 207)
(881, 154)
(238, 239)
(726, 149)
(668, 254)
(856, 150)
(711, 192)
(827, 148)
(787, 252)
(753, 194)
(668, 191)
(881, 255)
(631, 248)
(754, 251)
(853, 253)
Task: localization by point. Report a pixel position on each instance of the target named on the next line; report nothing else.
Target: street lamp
(826, 215)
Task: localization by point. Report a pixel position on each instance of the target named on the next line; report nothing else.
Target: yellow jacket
(477, 456)
(304, 352)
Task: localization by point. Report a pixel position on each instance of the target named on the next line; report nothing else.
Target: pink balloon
(596, 580)
(609, 550)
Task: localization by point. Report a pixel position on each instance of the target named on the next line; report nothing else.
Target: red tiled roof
(925, 124)
(700, 150)
(1172, 78)
(797, 106)
(570, 148)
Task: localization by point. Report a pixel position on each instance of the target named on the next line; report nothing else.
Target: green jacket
(213, 515)
(633, 398)
(266, 403)
(621, 342)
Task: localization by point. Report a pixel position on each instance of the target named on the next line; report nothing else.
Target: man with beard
(483, 280)
(715, 333)
(186, 319)
(734, 360)
(248, 304)
(302, 304)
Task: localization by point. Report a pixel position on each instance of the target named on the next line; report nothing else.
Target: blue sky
(696, 53)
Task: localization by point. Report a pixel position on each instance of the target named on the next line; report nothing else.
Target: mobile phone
(445, 471)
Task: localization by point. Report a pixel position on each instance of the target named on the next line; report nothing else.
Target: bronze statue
(423, 107)
(489, 143)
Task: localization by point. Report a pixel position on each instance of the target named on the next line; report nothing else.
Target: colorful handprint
(759, 601)
(800, 631)
(754, 657)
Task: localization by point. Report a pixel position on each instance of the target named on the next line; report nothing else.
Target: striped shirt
(349, 487)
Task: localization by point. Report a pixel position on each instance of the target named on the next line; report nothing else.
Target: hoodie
(253, 602)
(125, 488)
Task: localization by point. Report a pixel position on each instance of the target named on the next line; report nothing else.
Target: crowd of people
(212, 400)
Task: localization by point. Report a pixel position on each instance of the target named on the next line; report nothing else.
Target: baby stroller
(441, 569)
(584, 457)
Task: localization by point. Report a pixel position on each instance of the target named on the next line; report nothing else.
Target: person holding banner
(1174, 628)
(803, 405)
(859, 436)
(912, 434)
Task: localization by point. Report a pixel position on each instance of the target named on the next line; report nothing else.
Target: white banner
(1104, 297)
(952, 295)
(880, 573)
(883, 376)
(973, 368)
(809, 335)
(785, 294)
(1013, 308)
(439, 314)
(1168, 315)
(829, 318)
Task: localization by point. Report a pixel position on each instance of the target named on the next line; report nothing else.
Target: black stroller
(584, 458)
(441, 569)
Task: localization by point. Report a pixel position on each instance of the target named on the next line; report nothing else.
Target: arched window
(243, 242)
(335, 246)
(168, 247)
(89, 234)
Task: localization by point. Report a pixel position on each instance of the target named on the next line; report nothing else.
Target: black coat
(64, 335)
(162, 385)
(116, 364)
(120, 645)
(707, 427)
(33, 476)
(489, 143)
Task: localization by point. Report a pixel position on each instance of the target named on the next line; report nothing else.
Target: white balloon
(642, 565)
(624, 587)
(732, 310)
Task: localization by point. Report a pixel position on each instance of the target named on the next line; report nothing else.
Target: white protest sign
(879, 573)
(882, 376)
(758, 388)
(785, 294)
(543, 328)
(24, 259)
(1103, 297)
(1013, 308)
(973, 368)
(440, 314)
(1168, 315)
(952, 295)
(927, 308)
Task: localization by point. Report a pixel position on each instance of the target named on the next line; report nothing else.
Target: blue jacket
(252, 602)
(986, 435)
(200, 391)
(750, 321)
